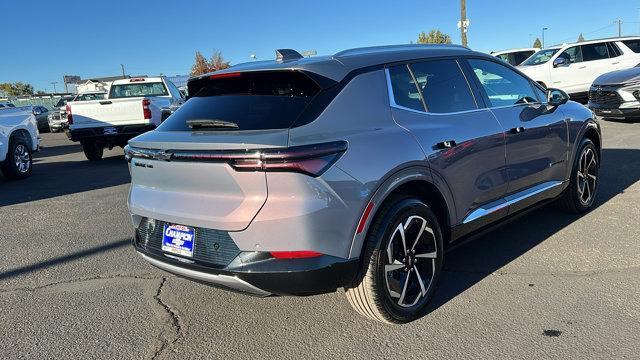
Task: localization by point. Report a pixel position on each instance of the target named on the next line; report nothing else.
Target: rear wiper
(211, 124)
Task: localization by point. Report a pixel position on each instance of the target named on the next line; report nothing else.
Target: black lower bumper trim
(617, 113)
(297, 277)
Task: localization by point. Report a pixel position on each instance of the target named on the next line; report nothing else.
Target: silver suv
(303, 175)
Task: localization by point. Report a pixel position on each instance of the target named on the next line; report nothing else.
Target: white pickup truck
(18, 140)
(132, 107)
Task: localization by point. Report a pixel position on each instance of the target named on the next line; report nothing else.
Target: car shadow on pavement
(51, 179)
(46, 151)
(469, 263)
(11, 273)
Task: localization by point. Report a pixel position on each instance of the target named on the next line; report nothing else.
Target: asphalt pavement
(548, 285)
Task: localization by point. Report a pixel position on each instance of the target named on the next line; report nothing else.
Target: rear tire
(397, 281)
(579, 196)
(92, 150)
(19, 163)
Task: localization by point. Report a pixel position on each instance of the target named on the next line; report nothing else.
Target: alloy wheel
(22, 159)
(410, 261)
(587, 176)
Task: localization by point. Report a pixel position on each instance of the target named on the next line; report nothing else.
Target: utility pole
(123, 75)
(464, 23)
(619, 22)
(54, 86)
(543, 30)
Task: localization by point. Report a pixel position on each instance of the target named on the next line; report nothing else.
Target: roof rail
(283, 55)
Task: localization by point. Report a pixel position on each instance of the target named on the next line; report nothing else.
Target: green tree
(537, 43)
(200, 65)
(434, 36)
(580, 38)
(16, 89)
(217, 62)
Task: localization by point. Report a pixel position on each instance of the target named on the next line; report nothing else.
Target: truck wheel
(18, 163)
(92, 150)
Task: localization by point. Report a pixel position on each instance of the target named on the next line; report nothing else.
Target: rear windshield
(249, 100)
(137, 90)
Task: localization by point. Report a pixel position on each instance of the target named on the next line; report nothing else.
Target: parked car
(6, 105)
(616, 94)
(515, 56)
(574, 67)
(18, 140)
(42, 117)
(132, 107)
(90, 95)
(301, 176)
(57, 117)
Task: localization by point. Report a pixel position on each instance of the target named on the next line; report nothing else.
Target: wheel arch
(24, 134)
(416, 182)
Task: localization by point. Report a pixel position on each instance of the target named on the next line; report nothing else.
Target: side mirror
(560, 61)
(37, 112)
(556, 97)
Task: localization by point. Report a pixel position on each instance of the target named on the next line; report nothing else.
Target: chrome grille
(214, 247)
(604, 97)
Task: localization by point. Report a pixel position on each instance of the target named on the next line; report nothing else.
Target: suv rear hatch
(205, 165)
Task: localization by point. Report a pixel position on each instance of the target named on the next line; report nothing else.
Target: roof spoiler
(284, 55)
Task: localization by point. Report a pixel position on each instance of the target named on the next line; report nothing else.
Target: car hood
(619, 77)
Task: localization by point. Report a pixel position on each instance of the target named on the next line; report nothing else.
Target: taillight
(69, 117)
(145, 109)
(294, 254)
(307, 159)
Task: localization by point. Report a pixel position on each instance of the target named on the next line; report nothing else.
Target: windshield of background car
(540, 57)
(251, 100)
(139, 89)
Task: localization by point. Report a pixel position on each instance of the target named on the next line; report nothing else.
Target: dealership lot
(547, 284)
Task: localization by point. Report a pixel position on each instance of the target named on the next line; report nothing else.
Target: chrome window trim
(392, 102)
(511, 200)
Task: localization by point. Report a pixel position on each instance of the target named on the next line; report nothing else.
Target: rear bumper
(259, 274)
(122, 133)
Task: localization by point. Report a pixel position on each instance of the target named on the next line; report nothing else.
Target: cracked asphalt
(547, 285)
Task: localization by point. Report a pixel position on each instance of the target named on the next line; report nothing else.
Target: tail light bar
(311, 160)
(145, 109)
(69, 116)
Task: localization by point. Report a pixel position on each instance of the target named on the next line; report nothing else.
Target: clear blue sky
(42, 40)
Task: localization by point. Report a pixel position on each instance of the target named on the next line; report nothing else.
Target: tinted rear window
(137, 90)
(252, 100)
(634, 45)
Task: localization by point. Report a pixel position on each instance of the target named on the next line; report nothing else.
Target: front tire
(580, 195)
(19, 162)
(92, 150)
(402, 262)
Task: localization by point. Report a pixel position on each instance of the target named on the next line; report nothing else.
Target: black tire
(19, 163)
(92, 150)
(574, 199)
(372, 295)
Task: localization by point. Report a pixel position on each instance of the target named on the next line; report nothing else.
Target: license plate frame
(178, 239)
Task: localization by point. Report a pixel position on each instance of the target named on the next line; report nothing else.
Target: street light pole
(543, 30)
(54, 86)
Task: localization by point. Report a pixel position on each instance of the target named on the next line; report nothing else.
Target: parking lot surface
(546, 285)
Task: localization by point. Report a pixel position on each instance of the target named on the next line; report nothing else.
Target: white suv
(573, 67)
(18, 140)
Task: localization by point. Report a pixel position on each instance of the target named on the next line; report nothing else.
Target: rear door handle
(445, 144)
(107, 102)
(517, 130)
(582, 67)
